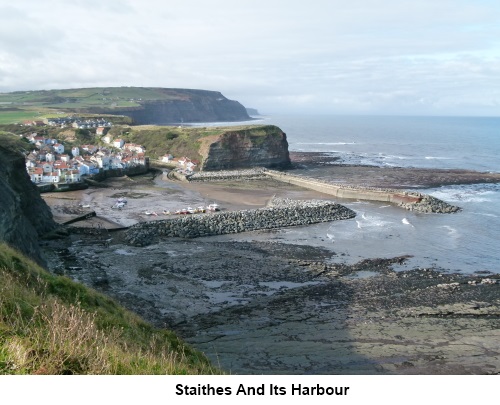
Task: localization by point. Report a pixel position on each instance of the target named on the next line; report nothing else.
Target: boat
(183, 211)
(213, 207)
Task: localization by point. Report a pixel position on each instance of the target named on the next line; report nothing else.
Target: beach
(154, 192)
(261, 303)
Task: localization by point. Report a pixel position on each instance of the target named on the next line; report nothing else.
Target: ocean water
(468, 241)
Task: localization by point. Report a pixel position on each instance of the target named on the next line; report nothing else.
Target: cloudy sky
(439, 57)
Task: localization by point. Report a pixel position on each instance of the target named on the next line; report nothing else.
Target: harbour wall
(412, 201)
(279, 214)
(343, 191)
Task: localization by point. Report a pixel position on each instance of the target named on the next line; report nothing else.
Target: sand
(157, 194)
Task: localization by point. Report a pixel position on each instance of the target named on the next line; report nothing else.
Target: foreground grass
(52, 325)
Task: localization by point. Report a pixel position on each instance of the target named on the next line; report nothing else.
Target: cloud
(327, 56)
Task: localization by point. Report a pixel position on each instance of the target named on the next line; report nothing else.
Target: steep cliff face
(257, 146)
(24, 216)
(195, 106)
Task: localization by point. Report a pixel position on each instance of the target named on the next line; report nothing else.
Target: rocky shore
(324, 166)
(262, 307)
(277, 308)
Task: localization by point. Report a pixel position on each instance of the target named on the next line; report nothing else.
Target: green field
(106, 97)
(28, 105)
(13, 116)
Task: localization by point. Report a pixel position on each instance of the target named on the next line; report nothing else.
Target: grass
(28, 105)
(93, 96)
(184, 141)
(11, 116)
(52, 325)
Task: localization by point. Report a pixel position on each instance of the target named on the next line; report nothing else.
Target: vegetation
(181, 141)
(34, 105)
(104, 97)
(12, 115)
(52, 325)
(13, 142)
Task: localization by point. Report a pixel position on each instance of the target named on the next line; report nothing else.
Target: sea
(465, 242)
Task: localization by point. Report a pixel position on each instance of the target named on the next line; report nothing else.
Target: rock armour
(281, 213)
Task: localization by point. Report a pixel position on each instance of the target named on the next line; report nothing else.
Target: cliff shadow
(302, 331)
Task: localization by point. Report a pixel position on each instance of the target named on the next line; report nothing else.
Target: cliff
(251, 147)
(194, 106)
(216, 148)
(24, 216)
(145, 105)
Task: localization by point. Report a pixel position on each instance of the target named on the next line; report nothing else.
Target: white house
(102, 161)
(58, 148)
(87, 167)
(52, 177)
(36, 174)
(167, 158)
(190, 165)
(115, 162)
(107, 138)
(72, 176)
(75, 151)
(47, 167)
(118, 143)
(30, 164)
(183, 161)
(100, 130)
(89, 148)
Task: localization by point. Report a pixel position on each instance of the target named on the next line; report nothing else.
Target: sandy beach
(155, 193)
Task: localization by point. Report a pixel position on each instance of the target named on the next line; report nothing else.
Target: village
(50, 162)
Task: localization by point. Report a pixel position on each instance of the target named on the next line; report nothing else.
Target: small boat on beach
(213, 207)
(183, 211)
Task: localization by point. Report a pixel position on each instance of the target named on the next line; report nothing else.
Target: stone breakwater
(412, 201)
(428, 204)
(279, 213)
(247, 174)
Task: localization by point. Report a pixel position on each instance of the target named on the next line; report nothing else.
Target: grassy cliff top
(104, 97)
(184, 141)
(52, 325)
(37, 104)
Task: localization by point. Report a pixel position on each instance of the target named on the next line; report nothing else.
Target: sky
(390, 57)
